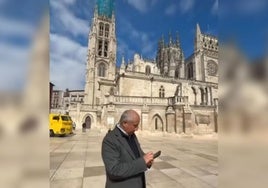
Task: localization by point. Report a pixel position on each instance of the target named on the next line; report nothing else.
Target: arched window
(101, 28)
(102, 70)
(162, 92)
(194, 92)
(105, 48)
(177, 73)
(202, 96)
(190, 70)
(106, 30)
(148, 70)
(100, 47)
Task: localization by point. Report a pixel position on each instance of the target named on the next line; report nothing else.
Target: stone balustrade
(178, 100)
(86, 107)
(140, 100)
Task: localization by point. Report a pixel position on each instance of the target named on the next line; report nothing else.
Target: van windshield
(64, 118)
(56, 118)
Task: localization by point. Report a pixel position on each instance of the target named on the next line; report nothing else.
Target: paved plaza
(75, 160)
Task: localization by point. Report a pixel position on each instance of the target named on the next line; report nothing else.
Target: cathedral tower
(101, 58)
(170, 58)
(204, 66)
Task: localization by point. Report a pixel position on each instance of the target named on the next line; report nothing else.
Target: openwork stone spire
(105, 8)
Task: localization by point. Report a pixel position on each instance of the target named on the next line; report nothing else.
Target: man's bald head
(129, 121)
(128, 116)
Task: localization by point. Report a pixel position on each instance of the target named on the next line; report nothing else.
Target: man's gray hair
(126, 116)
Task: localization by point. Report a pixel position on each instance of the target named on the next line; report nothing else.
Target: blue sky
(139, 26)
(18, 23)
(246, 22)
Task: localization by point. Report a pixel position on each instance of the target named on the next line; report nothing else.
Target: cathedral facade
(171, 93)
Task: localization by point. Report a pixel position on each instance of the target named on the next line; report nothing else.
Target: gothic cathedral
(172, 93)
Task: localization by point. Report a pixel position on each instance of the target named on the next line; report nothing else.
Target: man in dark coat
(124, 160)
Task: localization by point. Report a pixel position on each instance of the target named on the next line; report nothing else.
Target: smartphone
(157, 154)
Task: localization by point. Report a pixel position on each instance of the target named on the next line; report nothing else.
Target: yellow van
(60, 124)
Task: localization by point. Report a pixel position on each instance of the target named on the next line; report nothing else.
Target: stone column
(144, 118)
(170, 120)
(179, 119)
(216, 115)
(110, 122)
(206, 96)
(198, 97)
(211, 98)
(98, 113)
(187, 120)
(78, 109)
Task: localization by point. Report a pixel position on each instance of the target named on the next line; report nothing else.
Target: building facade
(57, 99)
(171, 93)
(73, 97)
(63, 100)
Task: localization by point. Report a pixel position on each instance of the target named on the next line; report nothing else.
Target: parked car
(60, 124)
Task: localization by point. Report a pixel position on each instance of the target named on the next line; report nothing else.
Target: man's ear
(124, 123)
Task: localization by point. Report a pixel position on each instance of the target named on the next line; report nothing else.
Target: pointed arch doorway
(88, 122)
(158, 123)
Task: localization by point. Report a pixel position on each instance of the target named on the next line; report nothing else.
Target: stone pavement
(75, 161)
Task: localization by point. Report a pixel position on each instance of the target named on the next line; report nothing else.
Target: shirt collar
(122, 130)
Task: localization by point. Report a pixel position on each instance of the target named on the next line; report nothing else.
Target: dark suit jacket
(123, 169)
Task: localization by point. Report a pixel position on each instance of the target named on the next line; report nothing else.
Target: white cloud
(250, 7)
(67, 62)
(215, 7)
(153, 2)
(147, 45)
(141, 39)
(67, 47)
(15, 56)
(244, 8)
(13, 66)
(124, 50)
(186, 6)
(10, 27)
(142, 5)
(67, 73)
(69, 21)
(69, 1)
(171, 9)
(138, 4)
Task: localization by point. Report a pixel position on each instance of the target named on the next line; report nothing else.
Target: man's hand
(148, 158)
(150, 164)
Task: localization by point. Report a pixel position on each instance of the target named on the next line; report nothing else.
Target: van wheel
(51, 133)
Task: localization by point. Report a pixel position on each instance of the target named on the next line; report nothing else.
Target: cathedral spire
(198, 34)
(198, 31)
(177, 39)
(95, 11)
(161, 43)
(170, 39)
(105, 8)
(123, 65)
(163, 40)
